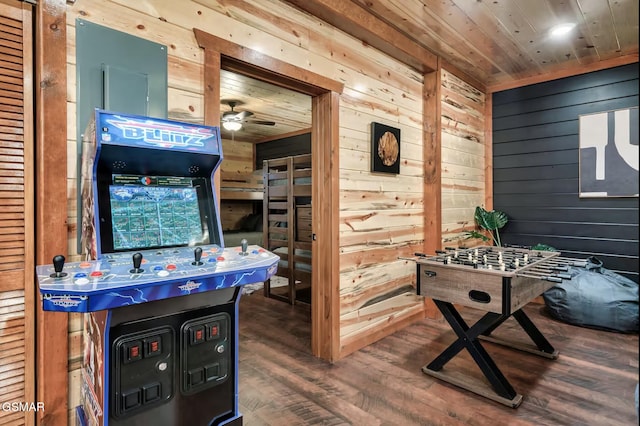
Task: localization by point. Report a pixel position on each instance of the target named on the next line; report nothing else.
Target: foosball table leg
(542, 346)
(500, 389)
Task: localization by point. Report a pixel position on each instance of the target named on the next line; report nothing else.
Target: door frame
(325, 269)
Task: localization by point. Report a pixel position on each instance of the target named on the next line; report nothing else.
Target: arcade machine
(161, 292)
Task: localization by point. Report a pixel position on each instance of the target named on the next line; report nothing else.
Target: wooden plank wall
(381, 216)
(463, 157)
(236, 165)
(536, 168)
(277, 148)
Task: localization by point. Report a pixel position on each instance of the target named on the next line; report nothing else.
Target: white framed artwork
(609, 154)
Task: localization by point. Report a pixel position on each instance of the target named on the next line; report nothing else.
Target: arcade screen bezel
(202, 187)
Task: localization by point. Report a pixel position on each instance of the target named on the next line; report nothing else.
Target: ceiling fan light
(232, 126)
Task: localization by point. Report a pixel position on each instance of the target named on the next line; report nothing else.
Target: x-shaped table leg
(468, 339)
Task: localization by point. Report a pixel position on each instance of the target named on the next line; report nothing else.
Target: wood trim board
(51, 201)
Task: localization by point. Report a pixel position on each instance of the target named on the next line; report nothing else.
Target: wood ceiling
(497, 44)
(291, 111)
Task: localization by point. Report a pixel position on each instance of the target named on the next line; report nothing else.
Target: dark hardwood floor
(281, 383)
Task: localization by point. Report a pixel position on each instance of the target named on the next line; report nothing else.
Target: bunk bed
(287, 225)
(242, 192)
(242, 186)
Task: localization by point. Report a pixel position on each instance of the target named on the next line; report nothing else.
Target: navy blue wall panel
(536, 168)
(292, 145)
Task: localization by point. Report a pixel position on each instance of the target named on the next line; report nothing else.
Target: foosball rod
(493, 256)
(475, 260)
(562, 265)
(581, 263)
(551, 278)
(470, 257)
(559, 261)
(534, 269)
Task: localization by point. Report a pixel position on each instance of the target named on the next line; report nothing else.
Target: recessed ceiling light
(561, 29)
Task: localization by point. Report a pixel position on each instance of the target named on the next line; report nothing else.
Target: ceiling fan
(232, 120)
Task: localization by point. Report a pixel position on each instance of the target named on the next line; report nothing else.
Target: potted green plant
(491, 221)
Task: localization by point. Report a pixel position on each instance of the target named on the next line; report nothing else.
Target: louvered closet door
(16, 214)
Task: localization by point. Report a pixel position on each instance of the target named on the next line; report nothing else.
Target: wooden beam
(263, 67)
(51, 202)
(432, 138)
(562, 73)
(361, 24)
(211, 87)
(325, 261)
(432, 135)
(212, 100)
(488, 151)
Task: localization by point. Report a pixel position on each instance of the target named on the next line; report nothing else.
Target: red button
(96, 274)
(84, 265)
(171, 267)
(134, 351)
(220, 257)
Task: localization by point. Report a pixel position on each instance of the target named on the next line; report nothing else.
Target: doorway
(220, 55)
(263, 128)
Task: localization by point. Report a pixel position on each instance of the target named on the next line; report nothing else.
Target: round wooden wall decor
(388, 149)
(385, 149)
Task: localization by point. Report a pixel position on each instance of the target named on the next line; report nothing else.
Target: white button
(163, 273)
(82, 281)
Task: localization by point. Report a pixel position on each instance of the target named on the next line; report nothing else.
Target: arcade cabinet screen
(154, 211)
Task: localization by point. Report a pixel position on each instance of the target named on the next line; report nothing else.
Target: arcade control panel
(126, 278)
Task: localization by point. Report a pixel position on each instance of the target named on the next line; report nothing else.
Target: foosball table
(499, 281)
